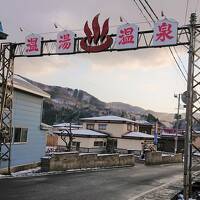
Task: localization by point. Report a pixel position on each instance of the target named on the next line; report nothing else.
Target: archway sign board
(97, 39)
(165, 33)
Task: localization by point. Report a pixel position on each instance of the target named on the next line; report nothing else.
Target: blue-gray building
(29, 141)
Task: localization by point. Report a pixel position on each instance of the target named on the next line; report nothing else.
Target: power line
(146, 10)
(151, 9)
(197, 5)
(22, 29)
(186, 11)
(169, 47)
(177, 64)
(180, 60)
(142, 12)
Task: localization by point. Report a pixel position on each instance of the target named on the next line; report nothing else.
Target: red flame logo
(99, 41)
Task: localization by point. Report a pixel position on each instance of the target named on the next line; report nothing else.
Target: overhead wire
(178, 65)
(142, 12)
(22, 29)
(180, 60)
(172, 53)
(146, 10)
(196, 6)
(186, 11)
(151, 9)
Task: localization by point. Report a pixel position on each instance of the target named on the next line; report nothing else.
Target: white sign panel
(127, 36)
(33, 45)
(65, 42)
(165, 32)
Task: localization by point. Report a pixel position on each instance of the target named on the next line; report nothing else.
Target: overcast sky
(146, 78)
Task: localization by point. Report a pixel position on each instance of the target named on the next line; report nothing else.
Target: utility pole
(189, 109)
(177, 123)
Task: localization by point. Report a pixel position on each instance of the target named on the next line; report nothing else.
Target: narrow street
(108, 184)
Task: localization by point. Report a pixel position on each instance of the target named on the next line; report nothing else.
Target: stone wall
(178, 158)
(156, 158)
(74, 160)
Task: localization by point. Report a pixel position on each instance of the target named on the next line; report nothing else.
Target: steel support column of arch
(193, 107)
(6, 99)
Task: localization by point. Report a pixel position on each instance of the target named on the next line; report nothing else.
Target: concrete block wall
(64, 161)
(126, 160)
(178, 158)
(73, 160)
(107, 160)
(87, 160)
(155, 158)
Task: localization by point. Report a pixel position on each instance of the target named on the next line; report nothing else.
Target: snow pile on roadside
(29, 172)
(181, 197)
(2, 176)
(37, 172)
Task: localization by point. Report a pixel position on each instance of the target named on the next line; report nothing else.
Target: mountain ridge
(64, 100)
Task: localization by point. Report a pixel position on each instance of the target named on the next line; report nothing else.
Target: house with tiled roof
(109, 133)
(123, 134)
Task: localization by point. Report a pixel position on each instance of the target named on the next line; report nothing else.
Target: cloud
(38, 17)
(40, 66)
(152, 58)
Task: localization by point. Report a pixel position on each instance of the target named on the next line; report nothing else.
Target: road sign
(184, 97)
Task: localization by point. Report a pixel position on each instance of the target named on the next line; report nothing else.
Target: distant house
(124, 134)
(83, 140)
(110, 133)
(166, 141)
(143, 126)
(29, 140)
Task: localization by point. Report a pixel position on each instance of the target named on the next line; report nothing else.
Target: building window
(98, 143)
(75, 144)
(136, 128)
(90, 126)
(129, 127)
(102, 126)
(20, 134)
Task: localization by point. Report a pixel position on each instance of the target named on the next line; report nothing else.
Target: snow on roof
(197, 132)
(21, 84)
(44, 126)
(107, 118)
(138, 135)
(82, 132)
(63, 125)
(170, 134)
(142, 122)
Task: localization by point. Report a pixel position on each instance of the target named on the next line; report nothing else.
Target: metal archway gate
(188, 36)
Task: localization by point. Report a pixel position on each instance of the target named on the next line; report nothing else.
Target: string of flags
(96, 40)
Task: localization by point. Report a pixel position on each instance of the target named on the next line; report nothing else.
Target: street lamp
(177, 122)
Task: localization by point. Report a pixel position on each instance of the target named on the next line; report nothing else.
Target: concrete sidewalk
(165, 191)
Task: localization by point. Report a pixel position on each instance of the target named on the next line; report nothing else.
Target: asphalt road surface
(108, 184)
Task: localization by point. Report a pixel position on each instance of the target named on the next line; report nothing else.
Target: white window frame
(90, 124)
(102, 127)
(99, 142)
(20, 142)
